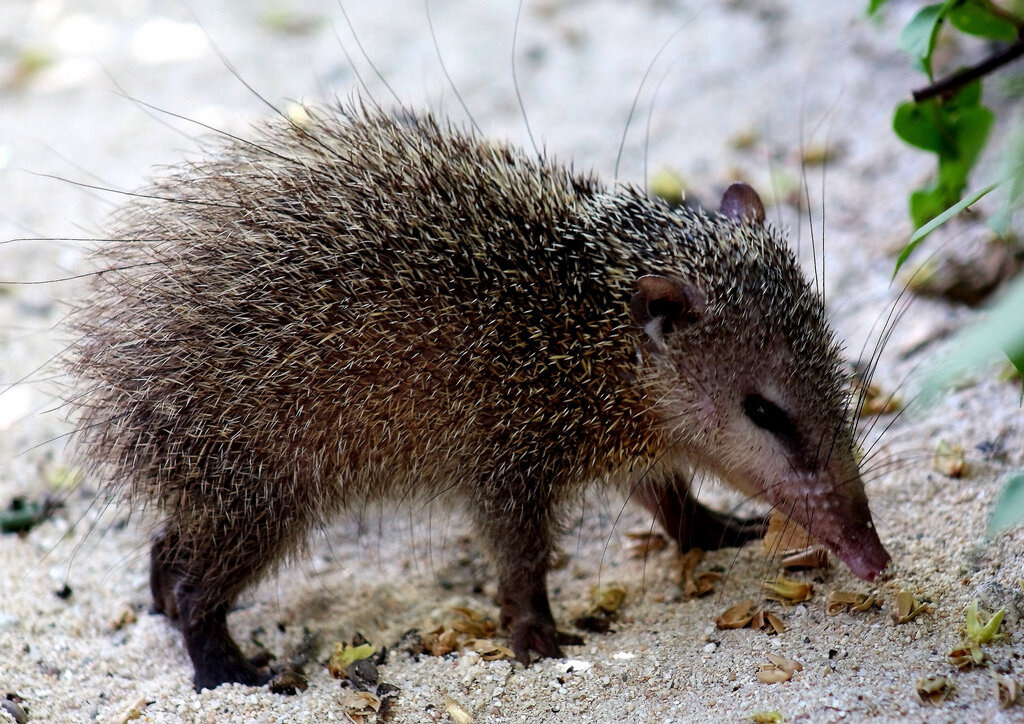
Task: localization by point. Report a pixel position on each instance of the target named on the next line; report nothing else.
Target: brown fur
(376, 307)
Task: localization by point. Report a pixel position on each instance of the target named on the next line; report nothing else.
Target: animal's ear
(742, 204)
(662, 304)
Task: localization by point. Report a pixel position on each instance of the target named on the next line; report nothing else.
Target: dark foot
(215, 656)
(211, 673)
(532, 628)
(694, 525)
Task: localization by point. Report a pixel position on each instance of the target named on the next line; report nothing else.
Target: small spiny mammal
(364, 306)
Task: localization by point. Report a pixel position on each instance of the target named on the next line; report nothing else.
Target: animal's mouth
(841, 521)
(863, 554)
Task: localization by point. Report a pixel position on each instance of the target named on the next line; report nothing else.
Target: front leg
(691, 523)
(520, 540)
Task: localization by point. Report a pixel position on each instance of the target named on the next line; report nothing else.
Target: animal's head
(747, 381)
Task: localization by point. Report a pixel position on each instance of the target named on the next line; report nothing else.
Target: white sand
(794, 74)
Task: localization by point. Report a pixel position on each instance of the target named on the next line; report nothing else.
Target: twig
(965, 76)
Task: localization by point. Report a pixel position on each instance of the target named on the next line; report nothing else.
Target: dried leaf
(472, 623)
(646, 542)
(696, 586)
(489, 650)
(933, 689)
(689, 561)
(840, 601)
(789, 591)
(784, 536)
(135, 711)
(359, 703)
(875, 402)
(773, 623)
(1007, 690)
(981, 631)
(447, 641)
(456, 711)
(811, 557)
(781, 662)
(907, 608)
(949, 460)
(771, 675)
(767, 717)
(702, 585)
(818, 154)
(966, 657)
(737, 616)
(126, 618)
(344, 655)
(607, 600)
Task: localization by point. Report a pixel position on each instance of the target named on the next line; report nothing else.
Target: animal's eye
(768, 416)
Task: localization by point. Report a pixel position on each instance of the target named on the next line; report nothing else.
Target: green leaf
(919, 125)
(966, 96)
(976, 18)
(980, 631)
(874, 6)
(970, 130)
(938, 221)
(929, 202)
(1009, 508)
(918, 36)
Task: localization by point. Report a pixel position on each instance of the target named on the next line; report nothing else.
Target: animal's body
(372, 306)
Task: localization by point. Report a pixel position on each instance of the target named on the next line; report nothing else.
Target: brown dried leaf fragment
(811, 557)
(737, 616)
(696, 586)
(781, 662)
(773, 624)
(457, 712)
(1006, 689)
(788, 591)
(967, 656)
(780, 669)
(949, 460)
(607, 600)
(359, 705)
(907, 608)
(645, 543)
(472, 623)
(489, 650)
(933, 689)
(840, 601)
(127, 617)
(603, 609)
(784, 536)
(135, 711)
(770, 675)
(875, 401)
(818, 154)
(767, 622)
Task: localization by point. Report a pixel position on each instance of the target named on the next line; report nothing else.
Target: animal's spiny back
(405, 271)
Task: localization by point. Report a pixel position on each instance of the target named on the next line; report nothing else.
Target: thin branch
(967, 75)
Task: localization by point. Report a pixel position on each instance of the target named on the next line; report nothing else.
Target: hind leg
(162, 579)
(197, 572)
(691, 523)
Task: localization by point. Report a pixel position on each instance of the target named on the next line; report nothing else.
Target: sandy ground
(782, 75)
